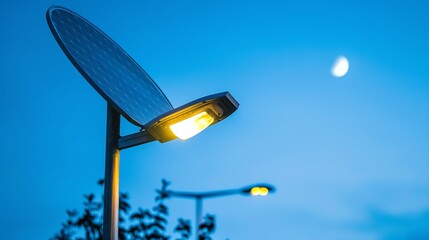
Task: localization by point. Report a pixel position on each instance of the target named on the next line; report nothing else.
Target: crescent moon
(340, 67)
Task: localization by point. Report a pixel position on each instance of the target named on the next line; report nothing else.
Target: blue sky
(349, 156)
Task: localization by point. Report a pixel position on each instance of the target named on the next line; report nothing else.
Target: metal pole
(199, 216)
(111, 176)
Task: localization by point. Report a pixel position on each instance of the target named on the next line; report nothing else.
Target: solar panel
(107, 67)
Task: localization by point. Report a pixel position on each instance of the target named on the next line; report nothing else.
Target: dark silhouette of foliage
(88, 221)
(207, 227)
(124, 208)
(143, 224)
(184, 228)
(151, 224)
(66, 232)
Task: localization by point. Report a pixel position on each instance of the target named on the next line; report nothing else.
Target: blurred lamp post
(252, 190)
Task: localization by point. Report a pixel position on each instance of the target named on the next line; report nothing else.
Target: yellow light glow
(192, 126)
(263, 191)
(255, 191)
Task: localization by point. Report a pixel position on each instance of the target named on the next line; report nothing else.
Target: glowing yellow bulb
(192, 126)
(255, 191)
(263, 191)
(259, 191)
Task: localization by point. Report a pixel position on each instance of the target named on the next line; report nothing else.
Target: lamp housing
(195, 116)
(258, 189)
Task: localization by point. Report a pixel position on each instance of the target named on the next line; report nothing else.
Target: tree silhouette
(151, 224)
(207, 227)
(184, 228)
(143, 224)
(88, 221)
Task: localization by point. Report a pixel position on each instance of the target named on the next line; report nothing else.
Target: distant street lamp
(130, 92)
(252, 190)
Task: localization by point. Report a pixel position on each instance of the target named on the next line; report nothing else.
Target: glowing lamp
(190, 119)
(258, 190)
(255, 191)
(192, 126)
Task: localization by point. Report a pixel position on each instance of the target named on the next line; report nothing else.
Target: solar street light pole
(129, 92)
(114, 143)
(111, 175)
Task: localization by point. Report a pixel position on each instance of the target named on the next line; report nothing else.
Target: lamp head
(190, 119)
(258, 190)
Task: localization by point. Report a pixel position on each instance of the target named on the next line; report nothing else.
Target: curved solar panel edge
(107, 67)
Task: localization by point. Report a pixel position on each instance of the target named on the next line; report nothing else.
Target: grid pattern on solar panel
(122, 81)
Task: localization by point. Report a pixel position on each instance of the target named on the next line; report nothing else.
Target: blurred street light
(252, 190)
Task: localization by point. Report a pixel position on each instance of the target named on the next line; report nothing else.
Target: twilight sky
(349, 156)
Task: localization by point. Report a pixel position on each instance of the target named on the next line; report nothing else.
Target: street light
(252, 190)
(130, 92)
